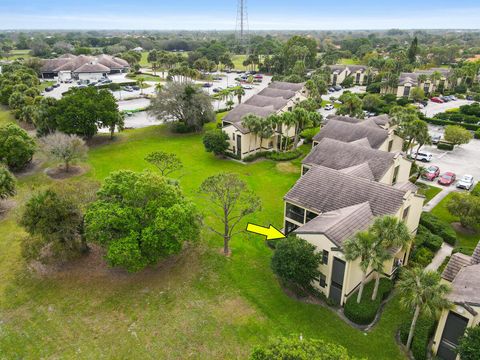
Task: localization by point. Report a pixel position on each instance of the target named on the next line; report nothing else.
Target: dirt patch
(59, 173)
(31, 168)
(287, 167)
(6, 206)
(99, 140)
(236, 311)
(462, 230)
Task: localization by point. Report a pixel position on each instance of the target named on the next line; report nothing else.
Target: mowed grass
(466, 242)
(5, 116)
(429, 191)
(18, 54)
(348, 61)
(198, 305)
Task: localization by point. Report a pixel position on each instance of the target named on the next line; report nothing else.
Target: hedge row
(439, 227)
(308, 134)
(426, 245)
(442, 145)
(274, 155)
(421, 337)
(441, 122)
(364, 313)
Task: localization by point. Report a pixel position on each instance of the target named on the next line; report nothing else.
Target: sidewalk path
(445, 250)
(439, 197)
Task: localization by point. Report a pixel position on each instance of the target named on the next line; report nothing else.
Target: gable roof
(363, 170)
(286, 94)
(347, 132)
(341, 224)
(323, 190)
(379, 120)
(339, 155)
(92, 68)
(236, 116)
(457, 262)
(466, 286)
(69, 62)
(262, 101)
(361, 142)
(281, 85)
(476, 255)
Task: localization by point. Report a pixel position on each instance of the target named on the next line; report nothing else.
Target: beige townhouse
(327, 206)
(463, 274)
(374, 132)
(358, 158)
(422, 78)
(277, 98)
(339, 73)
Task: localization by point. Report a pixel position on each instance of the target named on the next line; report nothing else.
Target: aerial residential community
(240, 181)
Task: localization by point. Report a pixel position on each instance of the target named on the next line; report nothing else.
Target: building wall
(474, 320)
(403, 171)
(91, 76)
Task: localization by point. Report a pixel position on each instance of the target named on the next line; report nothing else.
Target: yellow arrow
(271, 232)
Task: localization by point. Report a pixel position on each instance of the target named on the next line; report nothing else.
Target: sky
(221, 14)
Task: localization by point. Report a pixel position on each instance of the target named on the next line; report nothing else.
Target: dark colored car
(423, 102)
(49, 88)
(437, 100)
(136, 87)
(447, 179)
(432, 173)
(469, 97)
(56, 85)
(337, 87)
(207, 85)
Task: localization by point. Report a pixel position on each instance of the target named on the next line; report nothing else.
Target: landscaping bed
(364, 313)
(423, 332)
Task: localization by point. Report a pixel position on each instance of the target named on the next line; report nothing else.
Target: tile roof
(281, 85)
(361, 142)
(278, 103)
(455, 264)
(466, 286)
(323, 189)
(69, 62)
(235, 116)
(340, 224)
(286, 94)
(363, 170)
(348, 132)
(476, 255)
(380, 120)
(92, 68)
(339, 155)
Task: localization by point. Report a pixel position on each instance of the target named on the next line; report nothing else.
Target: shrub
(216, 141)
(374, 88)
(182, 128)
(426, 238)
(439, 227)
(364, 313)
(16, 147)
(284, 156)
(403, 101)
(422, 256)
(443, 145)
(477, 134)
(295, 348)
(421, 337)
(469, 346)
(295, 262)
(308, 134)
(7, 183)
(255, 156)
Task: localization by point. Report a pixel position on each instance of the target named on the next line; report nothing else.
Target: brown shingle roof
(466, 286)
(92, 68)
(323, 189)
(347, 132)
(278, 103)
(281, 85)
(341, 224)
(457, 262)
(286, 94)
(363, 170)
(236, 116)
(69, 62)
(339, 155)
(361, 142)
(476, 255)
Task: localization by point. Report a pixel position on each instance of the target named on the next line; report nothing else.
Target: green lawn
(146, 77)
(19, 54)
(201, 306)
(238, 61)
(466, 242)
(348, 61)
(429, 191)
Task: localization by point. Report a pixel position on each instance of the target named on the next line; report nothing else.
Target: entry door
(239, 145)
(336, 285)
(454, 329)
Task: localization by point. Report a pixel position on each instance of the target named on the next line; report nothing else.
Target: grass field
(199, 305)
(466, 242)
(19, 54)
(348, 61)
(429, 191)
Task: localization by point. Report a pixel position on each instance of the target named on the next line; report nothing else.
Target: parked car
(81, 86)
(469, 97)
(466, 182)
(107, 81)
(136, 87)
(93, 83)
(423, 102)
(128, 88)
(248, 87)
(447, 178)
(432, 173)
(207, 85)
(444, 98)
(437, 100)
(49, 88)
(56, 85)
(436, 139)
(329, 107)
(337, 87)
(422, 156)
(258, 76)
(331, 89)
(217, 89)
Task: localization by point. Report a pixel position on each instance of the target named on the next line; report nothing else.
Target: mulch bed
(59, 173)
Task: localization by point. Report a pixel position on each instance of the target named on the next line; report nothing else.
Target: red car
(437, 100)
(432, 173)
(447, 179)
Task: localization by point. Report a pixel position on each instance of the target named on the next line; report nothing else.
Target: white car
(466, 182)
(329, 107)
(422, 156)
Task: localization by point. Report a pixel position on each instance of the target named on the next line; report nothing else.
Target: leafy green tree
(239, 92)
(64, 148)
(351, 105)
(56, 220)
(466, 207)
(229, 200)
(297, 348)
(413, 50)
(422, 291)
(296, 262)
(469, 345)
(183, 102)
(166, 163)
(140, 218)
(372, 102)
(16, 147)
(457, 135)
(216, 141)
(317, 86)
(362, 246)
(7, 183)
(417, 94)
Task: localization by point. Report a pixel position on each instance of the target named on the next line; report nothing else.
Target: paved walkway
(439, 197)
(445, 250)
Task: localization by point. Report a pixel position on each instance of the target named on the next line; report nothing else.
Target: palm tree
(288, 120)
(422, 79)
(362, 246)
(434, 77)
(141, 83)
(252, 123)
(388, 232)
(422, 291)
(239, 92)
